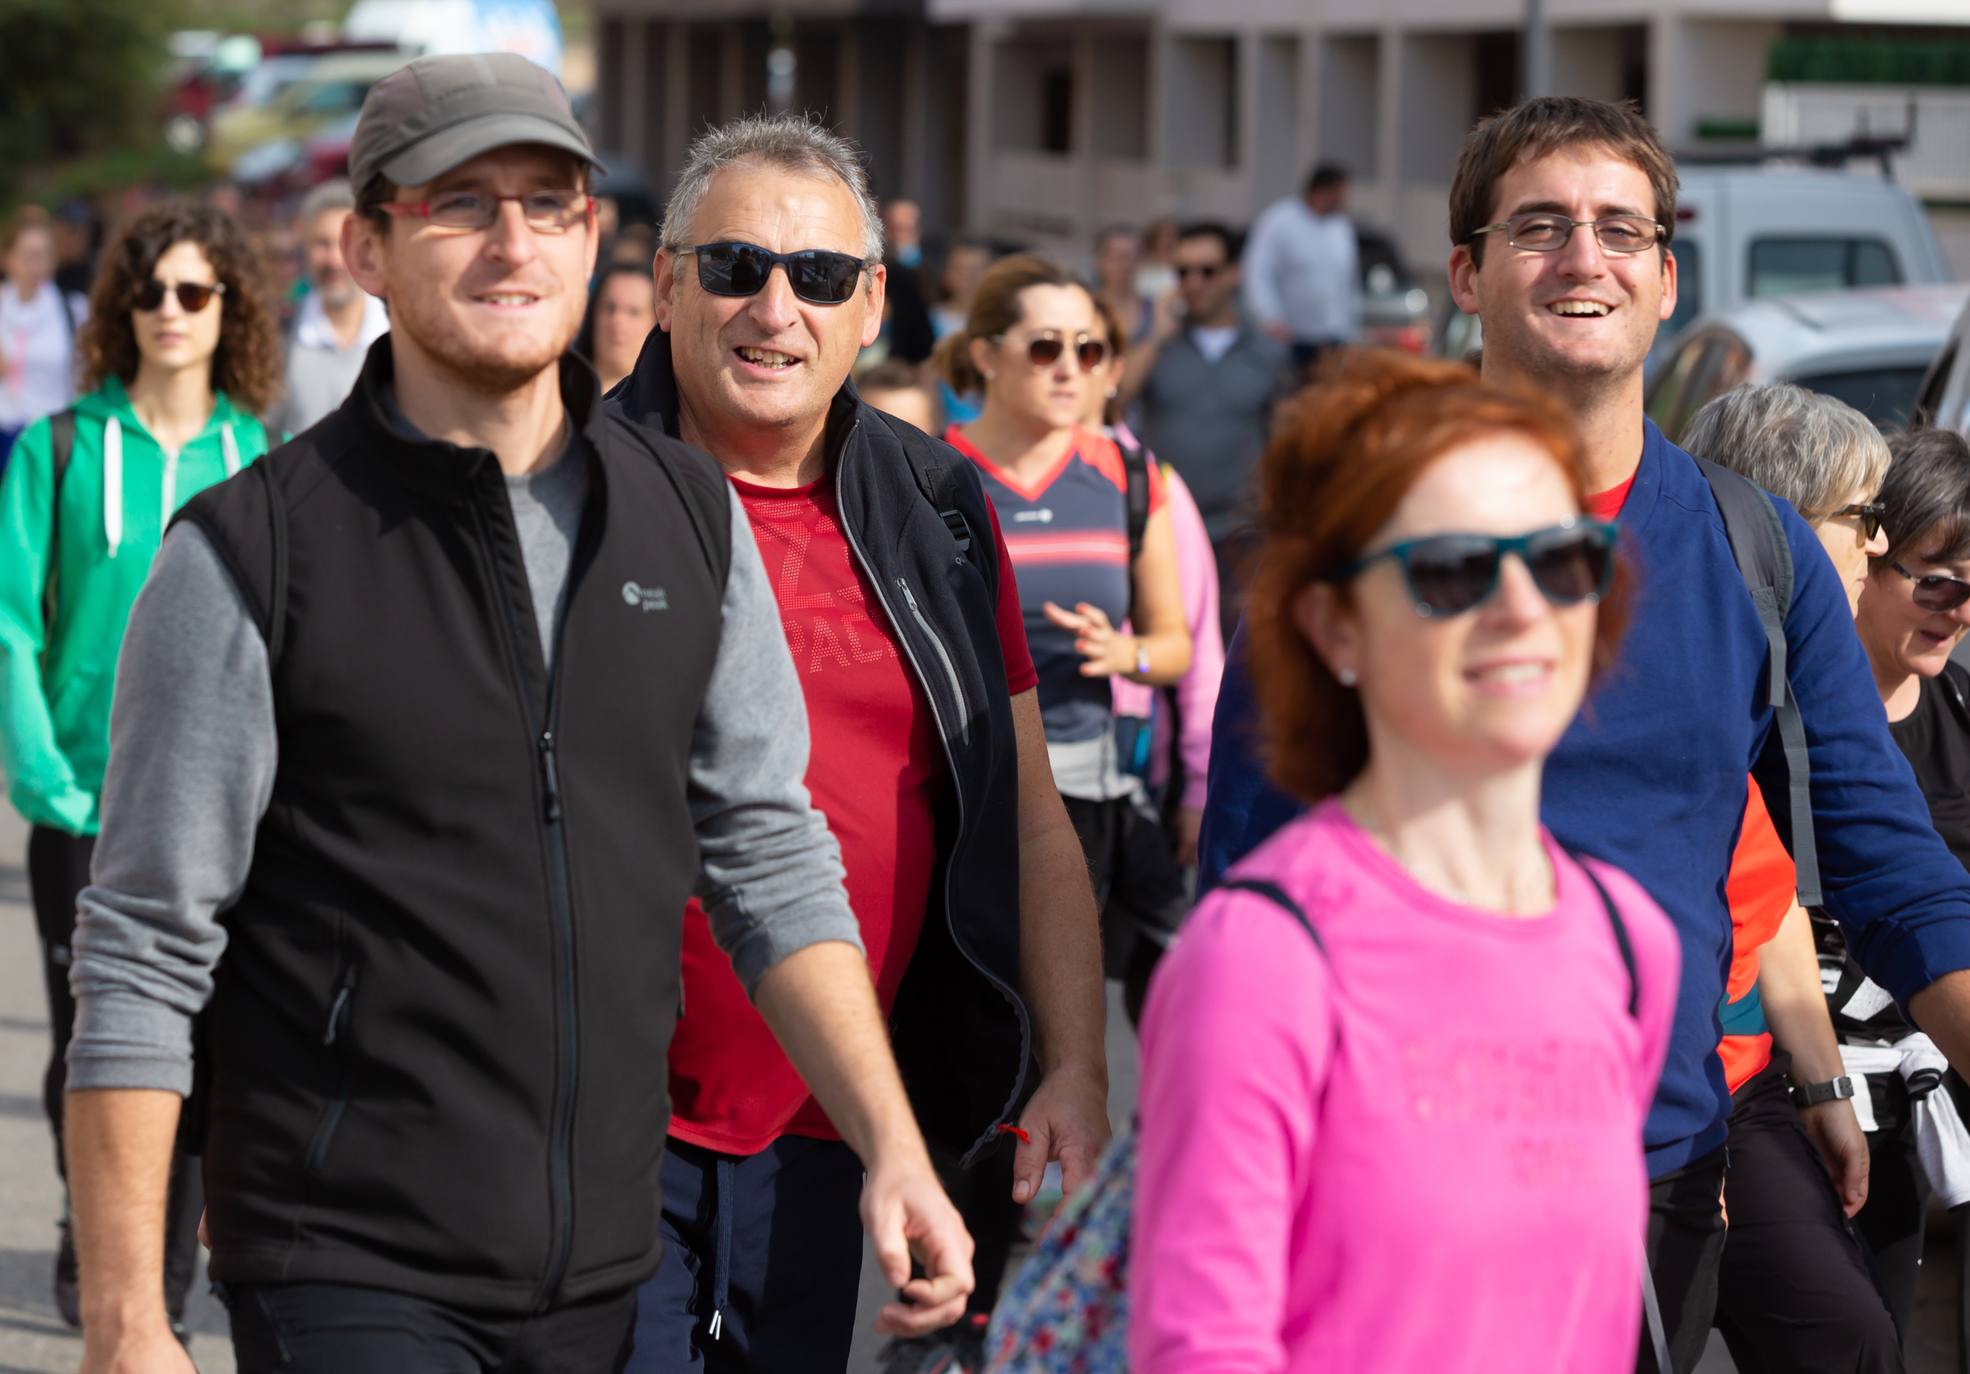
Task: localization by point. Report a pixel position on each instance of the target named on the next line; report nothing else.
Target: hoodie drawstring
(721, 1264)
(113, 484)
(231, 447)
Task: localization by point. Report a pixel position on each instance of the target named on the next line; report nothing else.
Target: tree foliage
(78, 77)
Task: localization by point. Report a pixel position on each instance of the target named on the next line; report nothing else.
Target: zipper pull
(344, 986)
(550, 775)
(903, 585)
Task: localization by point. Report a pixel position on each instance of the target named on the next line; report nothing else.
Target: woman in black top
(1913, 610)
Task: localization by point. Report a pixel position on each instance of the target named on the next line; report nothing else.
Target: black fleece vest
(436, 1049)
(918, 521)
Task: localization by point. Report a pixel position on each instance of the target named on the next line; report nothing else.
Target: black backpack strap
(61, 448)
(1135, 467)
(934, 465)
(932, 470)
(1764, 558)
(1621, 940)
(1272, 892)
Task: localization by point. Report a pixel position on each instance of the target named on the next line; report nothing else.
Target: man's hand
(1836, 1133)
(148, 1347)
(907, 1215)
(1067, 1120)
(1190, 827)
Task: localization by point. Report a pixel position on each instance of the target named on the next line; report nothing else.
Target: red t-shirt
(876, 771)
(1760, 890)
(1606, 505)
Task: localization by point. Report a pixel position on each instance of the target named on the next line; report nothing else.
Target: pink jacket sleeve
(1235, 1043)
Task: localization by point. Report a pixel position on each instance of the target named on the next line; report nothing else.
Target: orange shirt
(1760, 890)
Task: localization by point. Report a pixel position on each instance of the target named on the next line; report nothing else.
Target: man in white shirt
(337, 321)
(1303, 270)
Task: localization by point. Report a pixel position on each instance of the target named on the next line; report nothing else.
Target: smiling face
(1046, 398)
(1486, 691)
(768, 362)
(1578, 312)
(1899, 635)
(168, 337)
(491, 308)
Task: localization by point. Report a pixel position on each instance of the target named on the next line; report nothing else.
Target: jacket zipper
(943, 657)
(561, 898)
(335, 1032)
(950, 762)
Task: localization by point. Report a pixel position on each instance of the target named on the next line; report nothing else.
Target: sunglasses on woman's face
(1044, 350)
(1869, 513)
(817, 276)
(192, 296)
(1935, 592)
(1448, 574)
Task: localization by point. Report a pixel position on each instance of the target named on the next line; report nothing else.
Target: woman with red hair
(1412, 1139)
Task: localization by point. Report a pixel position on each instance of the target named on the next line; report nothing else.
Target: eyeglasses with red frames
(546, 212)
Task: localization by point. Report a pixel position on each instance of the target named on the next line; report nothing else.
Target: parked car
(1869, 348)
(1751, 231)
(332, 88)
(1944, 397)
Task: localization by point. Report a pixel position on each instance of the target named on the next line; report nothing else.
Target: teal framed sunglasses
(1449, 574)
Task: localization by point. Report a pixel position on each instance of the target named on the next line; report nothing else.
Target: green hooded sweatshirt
(58, 666)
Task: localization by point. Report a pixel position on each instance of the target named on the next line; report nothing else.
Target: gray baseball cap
(436, 113)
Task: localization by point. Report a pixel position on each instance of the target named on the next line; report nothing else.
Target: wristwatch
(1812, 1094)
(1141, 659)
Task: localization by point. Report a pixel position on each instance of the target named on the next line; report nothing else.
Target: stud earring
(1347, 677)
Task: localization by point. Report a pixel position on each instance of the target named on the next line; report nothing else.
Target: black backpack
(1758, 545)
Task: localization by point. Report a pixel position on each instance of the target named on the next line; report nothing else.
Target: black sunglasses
(1044, 350)
(1869, 513)
(1448, 574)
(816, 275)
(1935, 591)
(193, 296)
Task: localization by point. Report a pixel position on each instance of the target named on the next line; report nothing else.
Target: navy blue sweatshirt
(1650, 777)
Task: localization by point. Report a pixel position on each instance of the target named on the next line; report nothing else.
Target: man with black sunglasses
(898, 601)
(1561, 217)
(1204, 385)
(430, 725)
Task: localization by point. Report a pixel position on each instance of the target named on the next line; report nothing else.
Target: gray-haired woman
(1795, 1291)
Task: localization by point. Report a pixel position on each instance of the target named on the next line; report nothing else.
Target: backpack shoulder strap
(1272, 892)
(61, 444)
(1135, 466)
(1764, 559)
(61, 448)
(934, 466)
(1620, 928)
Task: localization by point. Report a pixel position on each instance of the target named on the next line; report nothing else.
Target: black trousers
(1795, 1294)
(57, 871)
(322, 1328)
(1685, 1254)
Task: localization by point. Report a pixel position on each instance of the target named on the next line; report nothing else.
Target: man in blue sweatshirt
(1561, 214)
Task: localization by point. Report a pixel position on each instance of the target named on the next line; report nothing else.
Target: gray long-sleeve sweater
(193, 751)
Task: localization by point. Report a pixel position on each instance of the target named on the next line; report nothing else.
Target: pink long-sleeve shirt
(1197, 692)
(1420, 1153)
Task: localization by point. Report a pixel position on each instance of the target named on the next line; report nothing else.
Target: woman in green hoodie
(179, 354)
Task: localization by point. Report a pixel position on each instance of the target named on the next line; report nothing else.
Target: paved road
(33, 1340)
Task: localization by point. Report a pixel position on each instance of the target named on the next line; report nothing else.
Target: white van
(1748, 231)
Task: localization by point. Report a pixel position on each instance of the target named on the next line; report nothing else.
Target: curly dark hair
(247, 366)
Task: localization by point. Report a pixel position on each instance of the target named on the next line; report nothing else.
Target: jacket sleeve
(191, 772)
(40, 781)
(770, 871)
(1241, 808)
(1197, 693)
(1888, 878)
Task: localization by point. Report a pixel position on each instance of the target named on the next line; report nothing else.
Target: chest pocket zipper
(943, 660)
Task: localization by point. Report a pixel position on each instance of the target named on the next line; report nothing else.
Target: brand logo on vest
(645, 598)
(1044, 515)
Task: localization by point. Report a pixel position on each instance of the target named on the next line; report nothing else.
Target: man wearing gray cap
(430, 728)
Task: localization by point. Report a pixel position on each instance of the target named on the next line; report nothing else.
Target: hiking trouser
(1892, 1221)
(1685, 1253)
(57, 871)
(1795, 1294)
(762, 1262)
(332, 1328)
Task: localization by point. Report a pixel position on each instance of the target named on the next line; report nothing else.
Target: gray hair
(1927, 495)
(1816, 452)
(330, 195)
(794, 143)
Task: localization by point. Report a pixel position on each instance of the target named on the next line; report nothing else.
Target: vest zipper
(560, 893)
(990, 1136)
(943, 658)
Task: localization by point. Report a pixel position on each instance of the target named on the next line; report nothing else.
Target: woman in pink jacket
(1416, 1145)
